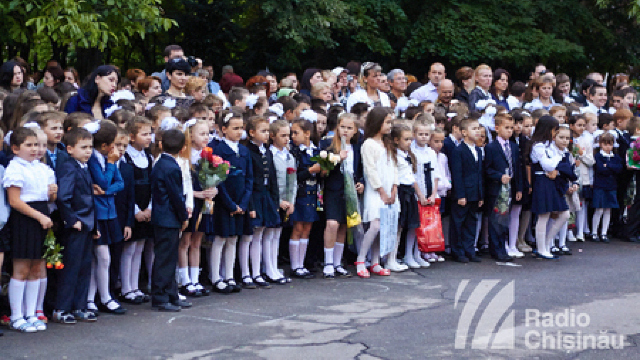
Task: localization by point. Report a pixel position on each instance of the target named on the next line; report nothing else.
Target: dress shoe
(604, 239)
(182, 303)
(475, 259)
(504, 258)
(462, 259)
(167, 307)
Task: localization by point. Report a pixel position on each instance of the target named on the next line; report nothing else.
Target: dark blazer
(475, 95)
(303, 159)
(81, 103)
(259, 167)
(447, 148)
(167, 194)
(75, 195)
(61, 157)
(566, 174)
(126, 199)
(466, 174)
(236, 189)
(605, 177)
(334, 181)
(462, 96)
(495, 163)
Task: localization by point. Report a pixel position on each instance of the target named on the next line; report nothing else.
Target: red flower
(291, 170)
(636, 157)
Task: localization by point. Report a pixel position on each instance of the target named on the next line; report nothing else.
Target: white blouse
(139, 158)
(372, 151)
(405, 169)
(546, 155)
(29, 177)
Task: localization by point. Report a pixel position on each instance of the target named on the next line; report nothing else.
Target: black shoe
(184, 290)
(145, 298)
(233, 285)
(167, 307)
(117, 311)
(462, 259)
(475, 259)
(504, 258)
(593, 238)
(202, 289)
(565, 251)
(328, 276)
(261, 283)
(341, 271)
(182, 303)
(279, 281)
(222, 290)
(248, 283)
(299, 274)
(604, 239)
(555, 251)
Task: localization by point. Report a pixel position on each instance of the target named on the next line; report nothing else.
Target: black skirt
(409, 213)
(142, 231)
(110, 232)
(5, 238)
(27, 235)
(335, 206)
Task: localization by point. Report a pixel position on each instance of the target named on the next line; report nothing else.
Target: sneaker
(84, 315)
(22, 325)
(64, 317)
(38, 324)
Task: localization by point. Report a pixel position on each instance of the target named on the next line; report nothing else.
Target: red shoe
(41, 317)
(5, 320)
(362, 273)
(381, 272)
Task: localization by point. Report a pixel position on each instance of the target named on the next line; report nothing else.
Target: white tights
(606, 217)
(216, 257)
(100, 274)
(544, 238)
(130, 265)
(514, 225)
(368, 242)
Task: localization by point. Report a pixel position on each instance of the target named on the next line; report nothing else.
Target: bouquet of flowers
(633, 155)
(503, 202)
(290, 188)
(351, 200)
(52, 252)
(326, 160)
(213, 171)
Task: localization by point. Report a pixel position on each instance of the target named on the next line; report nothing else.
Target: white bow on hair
(170, 103)
(277, 109)
(122, 95)
(7, 138)
(402, 104)
(252, 100)
(189, 124)
(309, 115)
(272, 119)
(227, 118)
(149, 106)
(113, 108)
(92, 127)
(31, 125)
(169, 123)
(482, 104)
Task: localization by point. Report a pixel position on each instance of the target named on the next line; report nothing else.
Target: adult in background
(398, 83)
(11, 76)
(95, 96)
(445, 94)
(465, 83)
(430, 90)
(170, 52)
(500, 87)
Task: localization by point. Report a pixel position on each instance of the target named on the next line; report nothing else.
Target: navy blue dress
(335, 207)
(546, 196)
(142, 184)
(307, 197)
(605, 181)
(265, 195)
(233, 192)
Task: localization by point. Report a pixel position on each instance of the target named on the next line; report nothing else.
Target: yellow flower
(353, 220)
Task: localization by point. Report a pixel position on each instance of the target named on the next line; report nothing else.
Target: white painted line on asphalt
(248, 314)
(204, 318)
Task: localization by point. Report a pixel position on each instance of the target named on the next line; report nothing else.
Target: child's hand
(97, 190)
(114, 155)
(552, 174)
(480, 203)
(78, 225)
(210, 193)
(284, 205)
(316, 168)
(140, 216)
(290, 210)
(462, 202)
(423, 200)
(127, 233)
(324, 173)
(189, 212)
(580, 150)
(431, 199)
(46, 222)
(252, 214)
(343, 155)
(184, 225)
(392, 198)
(53, 189)
(97, 235)
(359, 188)
(505, 179)
(519, 196)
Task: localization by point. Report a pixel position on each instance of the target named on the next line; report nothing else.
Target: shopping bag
(388, 229)
(429, 234)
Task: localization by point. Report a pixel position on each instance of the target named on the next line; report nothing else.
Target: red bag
(429, 234)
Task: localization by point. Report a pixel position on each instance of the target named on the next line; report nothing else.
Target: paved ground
(413, 315)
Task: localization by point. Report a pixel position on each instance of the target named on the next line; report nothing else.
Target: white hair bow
(574, 113)
(7, 138)
(482, 104)
(309, 115)
(149, 106)
(227, 118)
(244, 135)
(526, 113)
(189, 124)
(272, 119)
(491, 110)
(122, 95)
(252, 100)
(113, 108)
(170, 103)
(402, 104)
(31, 125)
(451, 115)
(169, 123)
(277, 109)
(92, 127)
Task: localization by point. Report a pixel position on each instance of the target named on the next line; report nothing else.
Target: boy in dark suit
(169, 216)
(467, 194)
(75, 202)
(501, 166)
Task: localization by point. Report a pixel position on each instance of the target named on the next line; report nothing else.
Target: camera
(193, 62)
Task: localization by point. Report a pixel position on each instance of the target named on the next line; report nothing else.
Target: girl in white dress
(381, 179)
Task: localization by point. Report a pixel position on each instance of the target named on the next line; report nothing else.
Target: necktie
(507, 151)
(427, 179)
(408, 158)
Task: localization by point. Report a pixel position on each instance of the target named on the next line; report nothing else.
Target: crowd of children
(118, 180)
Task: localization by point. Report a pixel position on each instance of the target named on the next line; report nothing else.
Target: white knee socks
(541, 234)
(230, 256)
(31, 297)
(103, 260)
(42, 291)
(302, 251)
(275, 246)
(338, 250)
(16, 295)
(215, 258)
(243, 253)
(597, 214)
(194, 275)
(514, 224)
(328, 261)
(125, 266)
(294, 253)
(256, 251)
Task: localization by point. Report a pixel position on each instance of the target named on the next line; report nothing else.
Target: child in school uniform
(75, 203)
(584, 141)
(305, 213)
(140, 161)
(381, 185)
(607, 166)
(264, 200)
(285, 165)
(30, 185)
(502, 167)
(519, 225)
(468, 192)
(168, 216)
(632, 226)
(546, 198)
(444, 188)
(232, 204)
(4, 216)
(108, 182)
(196, 137)
(428, 178)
